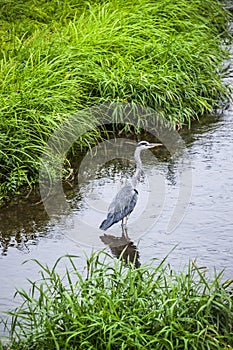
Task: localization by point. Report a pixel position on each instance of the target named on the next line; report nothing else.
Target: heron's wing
(121, 206)
(124, 202)
(122, 199)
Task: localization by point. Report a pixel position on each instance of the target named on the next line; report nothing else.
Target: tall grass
(111, 306)
(59, 57)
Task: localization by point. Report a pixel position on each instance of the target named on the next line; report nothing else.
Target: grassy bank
(59, 57)
(111, 306)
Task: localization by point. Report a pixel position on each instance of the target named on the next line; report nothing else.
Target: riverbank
(59, 58)
(110, 306)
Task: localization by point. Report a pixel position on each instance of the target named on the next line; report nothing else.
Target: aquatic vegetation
(61, 57)
(110, 306)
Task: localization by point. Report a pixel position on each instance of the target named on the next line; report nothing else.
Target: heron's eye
(142, 143)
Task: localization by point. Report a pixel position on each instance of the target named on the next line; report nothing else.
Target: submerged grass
(59, 57)
(111, 306)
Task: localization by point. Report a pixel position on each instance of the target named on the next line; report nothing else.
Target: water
(205, 233)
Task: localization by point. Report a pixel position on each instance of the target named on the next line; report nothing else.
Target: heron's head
(145, 145)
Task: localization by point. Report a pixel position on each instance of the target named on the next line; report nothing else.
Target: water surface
(205, 233)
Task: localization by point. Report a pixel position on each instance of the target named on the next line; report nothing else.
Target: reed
(111, 306)
(58, 58)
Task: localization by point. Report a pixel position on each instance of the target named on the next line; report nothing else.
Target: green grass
(110, 306)
(59, 57)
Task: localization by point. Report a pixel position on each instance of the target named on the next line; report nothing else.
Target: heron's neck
(137, 158)
(138, 171)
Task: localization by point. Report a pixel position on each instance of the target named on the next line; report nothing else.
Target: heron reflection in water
(125, 200)
(122, 247)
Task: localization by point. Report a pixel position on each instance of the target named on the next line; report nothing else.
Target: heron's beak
(152, 145)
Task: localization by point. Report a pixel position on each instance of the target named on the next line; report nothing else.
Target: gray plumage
(126, 199)
(120, 208)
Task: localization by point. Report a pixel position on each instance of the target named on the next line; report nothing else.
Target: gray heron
(125, 200)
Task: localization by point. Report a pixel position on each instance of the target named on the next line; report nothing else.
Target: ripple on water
(205, 233)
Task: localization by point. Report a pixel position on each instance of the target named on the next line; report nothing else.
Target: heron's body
(119, 208)
(126, 199)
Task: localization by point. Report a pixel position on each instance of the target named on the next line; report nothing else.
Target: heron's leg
(126, 233)
(124, 222)
(123, 229)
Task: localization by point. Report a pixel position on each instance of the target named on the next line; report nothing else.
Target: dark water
(204, 233)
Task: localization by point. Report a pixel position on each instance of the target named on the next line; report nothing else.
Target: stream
(204, 233)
